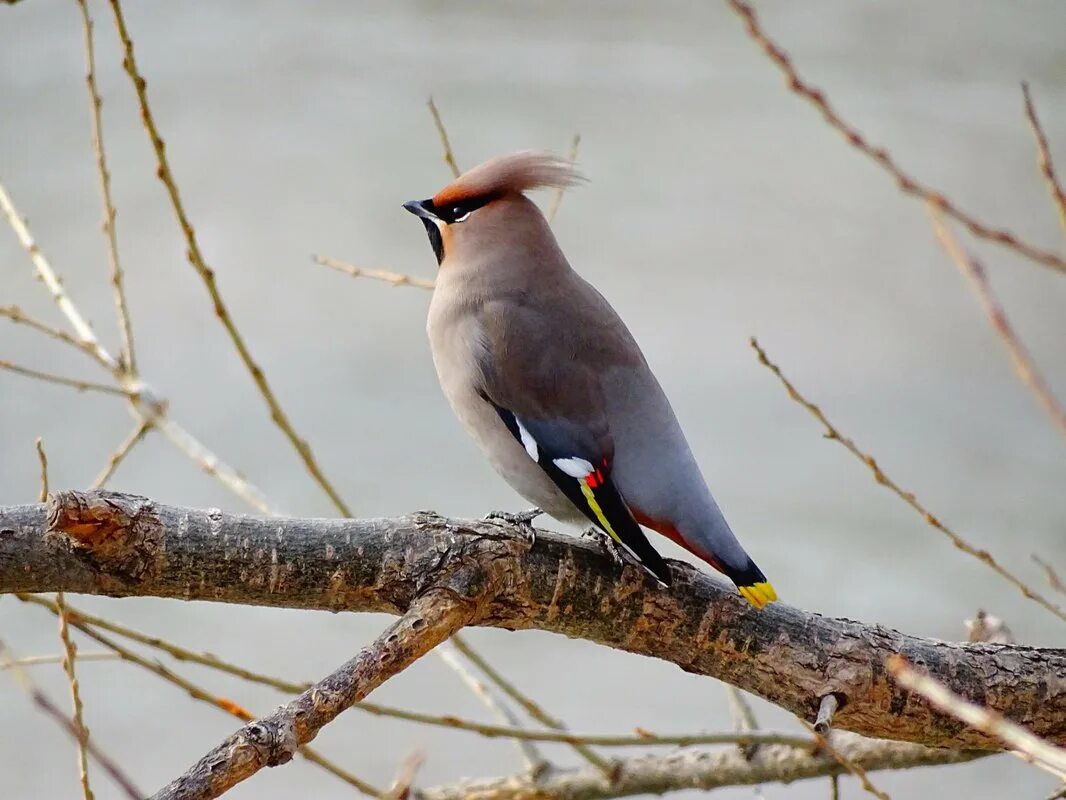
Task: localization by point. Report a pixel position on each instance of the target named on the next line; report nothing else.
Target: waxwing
(549, 381)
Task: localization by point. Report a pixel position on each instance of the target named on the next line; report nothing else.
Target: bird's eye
(458, 214)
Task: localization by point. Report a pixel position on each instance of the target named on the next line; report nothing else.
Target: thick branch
(273, 740)
(102, 543)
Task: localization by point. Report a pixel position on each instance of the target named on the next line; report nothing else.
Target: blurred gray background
(719, 206)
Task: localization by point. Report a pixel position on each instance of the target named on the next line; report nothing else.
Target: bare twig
(743, 717)
(405, 777)
(272, 740)
(526, 702)
(196, 692)
(74, 383)
(57, 658)
(535, 762)
(851, 766)
(70, 652)
(1023, 743)
(907, 497)
(77, 733)
(42, 460)
(449, 156)
(1043, 156)
(207, 274)
(1053, 579)
(18, 316)
(1024, 367)
(212, 464)
(907, 184)
(395, 278)
(140, 429)
(51, 280)
(122, 311)
(79, 618)
(557, 198)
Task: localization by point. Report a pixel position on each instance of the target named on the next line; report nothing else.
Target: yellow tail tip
(758, 594)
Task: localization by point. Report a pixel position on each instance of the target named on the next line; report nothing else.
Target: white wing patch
(528, 441)
(574, 467)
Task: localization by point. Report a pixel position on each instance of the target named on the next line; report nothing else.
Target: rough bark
(102, 543)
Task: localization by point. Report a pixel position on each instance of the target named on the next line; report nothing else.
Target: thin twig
(907, 497)
(207, 274)
(1053, 579)
(84, 621)
(846, 763)
(122, 311)
(154, 410)
(140, 429)
(535, 762)
(42, 460)
(1024, 367)
(74, 383)
(449, 156)
(1024, 744)
(907, 184)
(430, 619)
(1043, 156)
(51, 280)
(213, 465)
(70, 652)
(557, 198)
(395, 278)
(57, 658)
(526, 702)
(50, 708)
(196, 692)
(19, 317)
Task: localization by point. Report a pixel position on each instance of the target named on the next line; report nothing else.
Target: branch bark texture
(120, 545)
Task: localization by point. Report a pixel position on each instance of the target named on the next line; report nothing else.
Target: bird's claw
(617, 553)
(523, 519)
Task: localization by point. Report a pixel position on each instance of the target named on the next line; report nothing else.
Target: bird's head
(486, 207)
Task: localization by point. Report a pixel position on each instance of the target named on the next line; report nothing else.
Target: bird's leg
(619, 555)
(523, 519)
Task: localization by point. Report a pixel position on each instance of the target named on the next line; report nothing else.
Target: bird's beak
(420, 208)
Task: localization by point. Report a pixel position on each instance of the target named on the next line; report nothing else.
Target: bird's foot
(523, 519)
(619, 555)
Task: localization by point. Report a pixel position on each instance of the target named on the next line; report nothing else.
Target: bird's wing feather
(543, 381)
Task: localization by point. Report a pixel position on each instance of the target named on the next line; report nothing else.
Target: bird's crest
(517, 172)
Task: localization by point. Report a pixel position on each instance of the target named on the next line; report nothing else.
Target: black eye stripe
(450, 213)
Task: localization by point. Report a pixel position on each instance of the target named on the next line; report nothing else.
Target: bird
(548, 380)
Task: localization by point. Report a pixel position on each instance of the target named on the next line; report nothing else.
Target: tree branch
(699, 769)
(273, 740)
(121, 545)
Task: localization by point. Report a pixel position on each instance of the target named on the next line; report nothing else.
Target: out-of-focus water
(720, 206)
